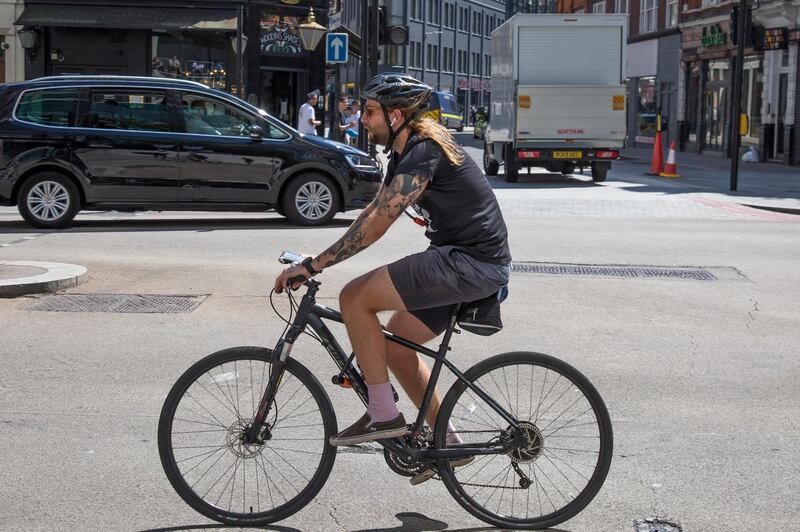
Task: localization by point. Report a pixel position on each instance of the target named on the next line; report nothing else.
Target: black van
(136, 143)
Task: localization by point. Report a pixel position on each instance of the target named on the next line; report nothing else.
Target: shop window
(139, 111)
(199, 57)
(647, 109)
(53, 107)
(692, 101)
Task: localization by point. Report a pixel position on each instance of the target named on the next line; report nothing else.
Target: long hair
(427, 128)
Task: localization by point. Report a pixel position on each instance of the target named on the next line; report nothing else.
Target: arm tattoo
(376, 218)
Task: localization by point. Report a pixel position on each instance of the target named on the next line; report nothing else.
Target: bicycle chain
(437, 477)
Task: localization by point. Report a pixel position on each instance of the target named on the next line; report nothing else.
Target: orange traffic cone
(671, 170)
(657, 166)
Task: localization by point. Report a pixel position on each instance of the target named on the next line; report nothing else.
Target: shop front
(708, 56)
(149, 40)
(281, 71)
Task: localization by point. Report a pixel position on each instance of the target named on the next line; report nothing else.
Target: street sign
(336, 48)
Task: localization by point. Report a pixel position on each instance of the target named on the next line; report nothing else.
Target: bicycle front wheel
(565, 455)
(209, 464)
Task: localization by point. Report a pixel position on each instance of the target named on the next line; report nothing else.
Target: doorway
(282, 94)
(716, 104)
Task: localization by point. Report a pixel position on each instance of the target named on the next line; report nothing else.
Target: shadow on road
(215, 526)
(414, 522)
(100, 225)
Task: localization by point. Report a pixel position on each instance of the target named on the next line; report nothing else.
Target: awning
(157, 18)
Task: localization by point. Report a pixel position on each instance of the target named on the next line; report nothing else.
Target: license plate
(567, 154)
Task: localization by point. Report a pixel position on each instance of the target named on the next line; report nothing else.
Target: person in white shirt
(307, 123)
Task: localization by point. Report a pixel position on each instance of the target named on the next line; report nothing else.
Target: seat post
(444, 347)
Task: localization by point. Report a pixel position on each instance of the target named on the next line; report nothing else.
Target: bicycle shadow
(218, 526)
(415, 522)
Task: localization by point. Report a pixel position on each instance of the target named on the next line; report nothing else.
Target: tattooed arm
(370, 225)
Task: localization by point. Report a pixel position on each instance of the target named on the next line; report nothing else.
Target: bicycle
(243, 433)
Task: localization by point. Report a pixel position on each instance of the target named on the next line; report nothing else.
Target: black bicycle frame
(311, 313)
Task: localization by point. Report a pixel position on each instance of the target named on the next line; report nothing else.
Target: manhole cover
(121, 303)
(615, 270)
(656, 524)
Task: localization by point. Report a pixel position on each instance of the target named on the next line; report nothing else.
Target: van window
(448, 104)
(140, 111)
(53, 107)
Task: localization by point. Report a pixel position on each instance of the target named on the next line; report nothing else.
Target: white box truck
(558, 94)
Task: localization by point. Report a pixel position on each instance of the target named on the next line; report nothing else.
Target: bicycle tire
(221, 375)
(544, 454)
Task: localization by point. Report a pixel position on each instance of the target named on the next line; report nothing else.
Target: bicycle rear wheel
(568, 446)
(213, 470)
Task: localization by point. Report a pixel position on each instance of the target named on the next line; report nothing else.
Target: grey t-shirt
(459, 206)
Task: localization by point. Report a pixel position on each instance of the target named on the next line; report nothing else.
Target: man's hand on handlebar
(296, 273)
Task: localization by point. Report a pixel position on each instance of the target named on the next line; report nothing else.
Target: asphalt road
(700, 377)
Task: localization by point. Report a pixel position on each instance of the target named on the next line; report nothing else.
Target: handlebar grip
(296, 279)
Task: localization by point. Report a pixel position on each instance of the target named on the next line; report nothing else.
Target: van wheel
(512, 169)
(311, 199)
(599, 174)
(490, 165)
(49, 200)
(460, 128)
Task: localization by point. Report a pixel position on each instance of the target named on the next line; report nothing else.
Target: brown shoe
(365, 430)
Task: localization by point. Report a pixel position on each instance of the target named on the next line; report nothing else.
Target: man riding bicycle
(468, 258)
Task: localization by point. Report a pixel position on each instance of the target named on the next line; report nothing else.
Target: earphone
(391, 124)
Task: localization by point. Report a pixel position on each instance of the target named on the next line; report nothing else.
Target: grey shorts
(433, 282)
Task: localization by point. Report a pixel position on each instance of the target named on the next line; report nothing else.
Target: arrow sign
(336, 48)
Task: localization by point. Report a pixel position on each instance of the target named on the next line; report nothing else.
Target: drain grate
(119, 303)
(615, 270)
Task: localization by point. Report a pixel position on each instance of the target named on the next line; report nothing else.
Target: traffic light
(390, 33)
(748, 27)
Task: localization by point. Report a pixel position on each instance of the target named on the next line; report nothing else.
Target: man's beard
(376, 138)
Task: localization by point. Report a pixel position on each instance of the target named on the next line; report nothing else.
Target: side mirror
(256, 133)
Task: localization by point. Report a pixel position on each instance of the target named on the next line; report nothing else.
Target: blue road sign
(336, 48)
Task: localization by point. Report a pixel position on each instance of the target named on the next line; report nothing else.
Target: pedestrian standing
(307, 122)
(472, 113)
(351, 126)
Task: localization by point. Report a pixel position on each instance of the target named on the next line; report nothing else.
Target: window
(141, 111)
(621, 6)
(433, 12)
(447, 60)
(647, 16)
(672, 13)
(599, 7)
(415, 55)
(207, 116)
(417, 10)
(433, 57)
(462, 62)
(488, 25)
(464, 24)
(487, 66)
(476, 64)
(52, 107)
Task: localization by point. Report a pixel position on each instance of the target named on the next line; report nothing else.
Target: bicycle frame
(310, 313)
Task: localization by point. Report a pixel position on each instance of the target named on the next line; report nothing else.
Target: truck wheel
(512, 169)
(599, 174)
(49, 200)
(311, 199)
(490, 165)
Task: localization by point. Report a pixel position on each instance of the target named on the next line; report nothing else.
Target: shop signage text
(713, 36)
(279, 35)
(474, 84)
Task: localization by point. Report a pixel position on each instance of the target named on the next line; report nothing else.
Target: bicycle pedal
(344, 382)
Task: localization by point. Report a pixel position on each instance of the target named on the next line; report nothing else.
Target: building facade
(779, 82)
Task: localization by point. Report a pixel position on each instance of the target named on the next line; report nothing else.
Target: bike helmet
(397, 91)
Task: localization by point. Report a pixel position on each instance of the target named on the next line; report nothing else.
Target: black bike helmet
(397, 91)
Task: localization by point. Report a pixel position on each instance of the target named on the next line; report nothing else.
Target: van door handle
(164, 147)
